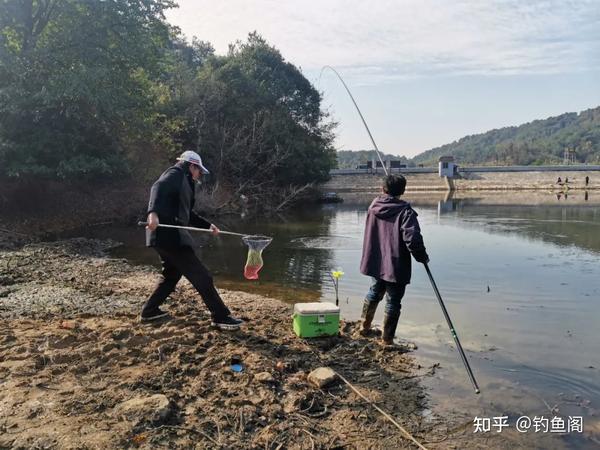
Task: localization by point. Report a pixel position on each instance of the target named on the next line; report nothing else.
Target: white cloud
(388, 39)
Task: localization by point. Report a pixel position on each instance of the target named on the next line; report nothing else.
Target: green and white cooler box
(316, 319)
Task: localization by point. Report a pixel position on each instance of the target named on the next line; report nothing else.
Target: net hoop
(257, 242)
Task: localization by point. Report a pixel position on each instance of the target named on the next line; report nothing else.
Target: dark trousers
(182, 261)
(395, 292)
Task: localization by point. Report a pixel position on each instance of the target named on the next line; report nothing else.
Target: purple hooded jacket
(392, 233)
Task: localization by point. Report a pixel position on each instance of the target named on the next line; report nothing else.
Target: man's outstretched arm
(411, 234)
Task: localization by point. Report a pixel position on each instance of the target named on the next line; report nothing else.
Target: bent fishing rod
(433, 285)
(359, 113)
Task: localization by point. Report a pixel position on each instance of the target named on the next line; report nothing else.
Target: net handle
(143, 224)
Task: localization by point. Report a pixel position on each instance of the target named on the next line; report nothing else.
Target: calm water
(532, 340)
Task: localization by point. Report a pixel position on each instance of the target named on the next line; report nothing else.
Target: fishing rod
(452, 331)
(433, 285)
(359, 113)
(180, 227)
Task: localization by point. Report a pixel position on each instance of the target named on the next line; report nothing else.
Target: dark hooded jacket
(172, 199)
(392, 233)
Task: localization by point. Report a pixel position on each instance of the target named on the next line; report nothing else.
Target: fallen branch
(293, 193)
(310, 436)
(386, 415)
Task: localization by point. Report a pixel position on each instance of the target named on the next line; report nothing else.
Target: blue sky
(424, 72)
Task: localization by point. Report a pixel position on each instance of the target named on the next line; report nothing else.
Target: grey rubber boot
(368, 312)
(390, 322)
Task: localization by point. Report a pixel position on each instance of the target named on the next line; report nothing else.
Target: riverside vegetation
(108, 91)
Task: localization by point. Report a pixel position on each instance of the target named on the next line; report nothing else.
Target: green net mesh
(254, 261)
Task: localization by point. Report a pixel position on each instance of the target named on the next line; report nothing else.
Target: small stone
(322, 377)
(264, 377)
(155, 408)
(120, 334)
(291, 402)
(69, 325)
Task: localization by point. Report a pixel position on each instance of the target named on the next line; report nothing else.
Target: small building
(447, 167)
(373, 165)
(396, 164)
(389, 164)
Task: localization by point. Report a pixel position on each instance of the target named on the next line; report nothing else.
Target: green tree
(257, 120)
(79, 82)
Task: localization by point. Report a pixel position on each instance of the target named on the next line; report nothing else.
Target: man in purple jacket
(392, 234)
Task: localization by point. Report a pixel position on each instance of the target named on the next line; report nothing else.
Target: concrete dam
(548, 178)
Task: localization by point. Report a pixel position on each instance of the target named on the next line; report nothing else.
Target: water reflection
(560, 224)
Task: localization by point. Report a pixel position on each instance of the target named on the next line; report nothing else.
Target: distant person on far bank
(392, 235)
(559, 181)
(587, 180)
(172, 202)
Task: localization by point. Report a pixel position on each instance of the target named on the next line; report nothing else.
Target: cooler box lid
(316, 308)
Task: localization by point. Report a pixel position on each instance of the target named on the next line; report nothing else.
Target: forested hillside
(537, 142)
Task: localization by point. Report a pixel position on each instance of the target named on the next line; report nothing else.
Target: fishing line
(359, 113)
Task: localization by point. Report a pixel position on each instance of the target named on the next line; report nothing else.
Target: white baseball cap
(193, 158)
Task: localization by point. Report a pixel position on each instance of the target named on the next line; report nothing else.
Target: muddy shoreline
(78, 370)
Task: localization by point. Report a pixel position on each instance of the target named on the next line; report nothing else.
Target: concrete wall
(371, 182)
(473, 178)
(526, 180)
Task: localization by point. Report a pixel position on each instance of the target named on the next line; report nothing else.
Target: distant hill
(537, 142)
(350, 159)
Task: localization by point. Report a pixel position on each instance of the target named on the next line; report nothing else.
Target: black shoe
(227, 323)
(155, 314)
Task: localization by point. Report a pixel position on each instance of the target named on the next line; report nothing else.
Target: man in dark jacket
(172, 202)
(392, 234)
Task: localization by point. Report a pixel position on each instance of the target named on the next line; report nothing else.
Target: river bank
(33, 210)
(47, 208)
(79, 370)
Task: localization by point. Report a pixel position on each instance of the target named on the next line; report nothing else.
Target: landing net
(254, 262)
